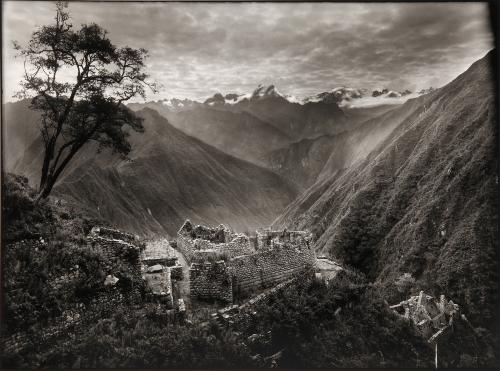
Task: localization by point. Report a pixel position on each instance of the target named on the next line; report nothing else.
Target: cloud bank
(198, 49)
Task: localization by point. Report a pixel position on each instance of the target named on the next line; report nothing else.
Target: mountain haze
(240, 134)
(169, 177)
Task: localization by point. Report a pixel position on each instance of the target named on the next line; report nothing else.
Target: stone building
(200, 243)
(150, 260)
(226, 265)
(432, 317)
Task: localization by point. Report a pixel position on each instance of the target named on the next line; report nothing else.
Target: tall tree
(79, 81)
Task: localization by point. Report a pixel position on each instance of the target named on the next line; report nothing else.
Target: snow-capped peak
(342, 96)
(265, 92)
(176, 104)
(232, 98)
(337, 95)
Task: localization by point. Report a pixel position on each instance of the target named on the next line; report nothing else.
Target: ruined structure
(427, 313)
(431, 317)
(143, 259)
(160, 267)
(160, 252)
(116, 246)
(200, 243)
(225, 265)
(159, 283)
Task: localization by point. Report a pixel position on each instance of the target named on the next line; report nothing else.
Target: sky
(199, 49)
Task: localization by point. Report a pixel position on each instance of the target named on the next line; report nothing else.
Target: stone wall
(268, 268)
(243, 314)
(176, 272)
(251, 264)
(114, 234)
(118, 254)
(268, 238)
(209, 281)
(115, 252)
(200, 243)
(186, 246)
(219, 234)
(239, 245)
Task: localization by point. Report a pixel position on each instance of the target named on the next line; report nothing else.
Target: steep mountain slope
(306, 161)
(424, 200)
(19, 130)
(170, 177)
(309, 120)
(240, 134)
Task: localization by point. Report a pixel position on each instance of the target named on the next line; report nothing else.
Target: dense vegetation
(51, 278)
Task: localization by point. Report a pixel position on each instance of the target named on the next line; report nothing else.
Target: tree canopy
(79, 81)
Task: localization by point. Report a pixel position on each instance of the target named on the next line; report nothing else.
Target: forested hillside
(423, 202)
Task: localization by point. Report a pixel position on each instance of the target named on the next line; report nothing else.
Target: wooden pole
(436, 354)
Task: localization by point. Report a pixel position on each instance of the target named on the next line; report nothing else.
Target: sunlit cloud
(198, 49)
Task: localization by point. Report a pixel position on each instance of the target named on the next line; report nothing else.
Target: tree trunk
(51, 178)
(49, 154)
(45, 170)
(45, 191)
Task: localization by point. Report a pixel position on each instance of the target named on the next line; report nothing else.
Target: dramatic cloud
(198, 49)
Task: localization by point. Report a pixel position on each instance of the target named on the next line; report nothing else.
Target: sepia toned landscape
(249, 185)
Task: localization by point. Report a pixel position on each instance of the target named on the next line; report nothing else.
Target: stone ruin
(155, 261)
(243, 314)
(209, 281)
(431, 316)
(116, 246)
(200, 243)
(158, 280)
(160, 266)
(226, 265)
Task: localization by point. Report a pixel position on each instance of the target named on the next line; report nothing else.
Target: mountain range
(168, 177)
